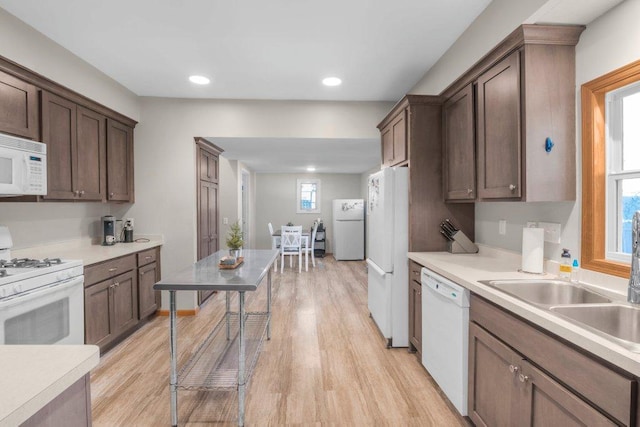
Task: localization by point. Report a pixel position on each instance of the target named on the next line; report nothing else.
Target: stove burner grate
(28, 263)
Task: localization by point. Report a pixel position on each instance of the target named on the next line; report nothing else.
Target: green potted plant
(234, 239)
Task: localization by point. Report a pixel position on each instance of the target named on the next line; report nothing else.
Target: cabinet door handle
(76, 193)
(142, 273)
(116, 284)
(147, 257)
(81, 193)
(111, 195)
(513, 369)
(111, 270)
(419, 293)
(417, 273)
(512, 187)
(469, 191)
(523, 378)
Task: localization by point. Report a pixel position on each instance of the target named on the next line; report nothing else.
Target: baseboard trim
(180, 313)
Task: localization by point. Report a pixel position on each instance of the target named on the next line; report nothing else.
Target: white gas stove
(23, 275)
(41, 301)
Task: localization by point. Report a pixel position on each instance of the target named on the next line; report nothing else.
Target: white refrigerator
(348, 229)
(387, 247)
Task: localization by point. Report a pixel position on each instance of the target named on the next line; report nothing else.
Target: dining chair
(275, 244)
(310, 248)
(291, 245)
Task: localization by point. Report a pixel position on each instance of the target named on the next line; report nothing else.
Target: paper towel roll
(533, 250)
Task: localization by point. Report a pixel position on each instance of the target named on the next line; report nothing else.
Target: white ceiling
(294, 155)
(279, 49)
(255, 49)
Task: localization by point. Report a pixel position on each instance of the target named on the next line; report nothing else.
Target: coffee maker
(108, 230)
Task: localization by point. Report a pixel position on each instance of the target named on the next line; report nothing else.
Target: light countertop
(490, 264)
(86, 251)
(33, 375)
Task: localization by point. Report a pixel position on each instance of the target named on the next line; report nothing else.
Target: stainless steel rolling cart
(226, 358)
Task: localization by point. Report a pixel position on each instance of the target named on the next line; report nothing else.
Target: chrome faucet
(633, 294)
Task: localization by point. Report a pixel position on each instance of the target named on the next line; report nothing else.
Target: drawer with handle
(98, 272)
(147, 257)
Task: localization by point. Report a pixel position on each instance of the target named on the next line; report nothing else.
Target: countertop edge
(578, 336)
(40, 400)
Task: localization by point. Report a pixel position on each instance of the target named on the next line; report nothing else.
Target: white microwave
(23, 167)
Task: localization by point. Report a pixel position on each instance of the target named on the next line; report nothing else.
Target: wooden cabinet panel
(147, 257)
(208, 219)
(18, 107)
(208, 166)
(459, 147)
(59, 133)
(125, 302)
(91, 153)
(399, 126)
(547, 403)
(120, 182)
(394, 141)
(493, 381)
(97, 314)
(498, 125)
(147, 277)
(613, 393)
(72, 407)
(415, 308)
(98, 272)
(387, 146)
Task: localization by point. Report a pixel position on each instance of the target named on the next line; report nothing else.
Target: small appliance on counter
(108, 230)
(457, 241)
(128, 230)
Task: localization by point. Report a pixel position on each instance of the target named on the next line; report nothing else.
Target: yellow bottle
(565, 265)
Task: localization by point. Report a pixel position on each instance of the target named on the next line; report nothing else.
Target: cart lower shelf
(214, 365)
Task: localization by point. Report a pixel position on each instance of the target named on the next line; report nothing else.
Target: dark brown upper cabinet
(120, 182)
(498, 124)
(459, 147)
(394, 140)
(75, 138)
(89, 146)
(524, 119)
(19, 107)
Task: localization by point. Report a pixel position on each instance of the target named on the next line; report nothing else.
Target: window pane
(630, 204)
(631, 131)
(308, 196)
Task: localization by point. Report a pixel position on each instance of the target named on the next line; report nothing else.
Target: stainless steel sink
(547, 292)
(617, 322)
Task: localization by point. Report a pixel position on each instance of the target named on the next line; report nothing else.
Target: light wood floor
(326, 364)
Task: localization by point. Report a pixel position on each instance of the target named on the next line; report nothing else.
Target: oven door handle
(57, 286)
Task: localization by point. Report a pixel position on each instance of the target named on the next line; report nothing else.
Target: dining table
(306, 235)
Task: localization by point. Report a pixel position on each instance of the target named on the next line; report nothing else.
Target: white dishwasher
(445, 335)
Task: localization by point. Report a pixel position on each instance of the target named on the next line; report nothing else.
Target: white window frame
(615, 172)
(300, 182)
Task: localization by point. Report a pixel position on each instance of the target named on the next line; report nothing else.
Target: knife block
(461, 244)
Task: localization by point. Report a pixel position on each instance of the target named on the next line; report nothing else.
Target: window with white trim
(308, 196)
(622, 120)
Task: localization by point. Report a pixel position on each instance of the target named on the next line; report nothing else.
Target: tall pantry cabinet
(207, 156)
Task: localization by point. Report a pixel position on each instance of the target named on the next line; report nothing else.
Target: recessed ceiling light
(311, 169)
(331, 81)
(199, 80)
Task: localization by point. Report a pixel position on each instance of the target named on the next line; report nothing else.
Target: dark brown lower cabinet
(146, 295)
(415, 308)
(119, 296)
(111, 308)
(507, 390)
(522, 376)
(72, 407)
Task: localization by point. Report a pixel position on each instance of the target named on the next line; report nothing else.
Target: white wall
(609, 42)
(276, 201)
(31, 49)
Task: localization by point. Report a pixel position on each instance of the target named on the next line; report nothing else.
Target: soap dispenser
(565, 264)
